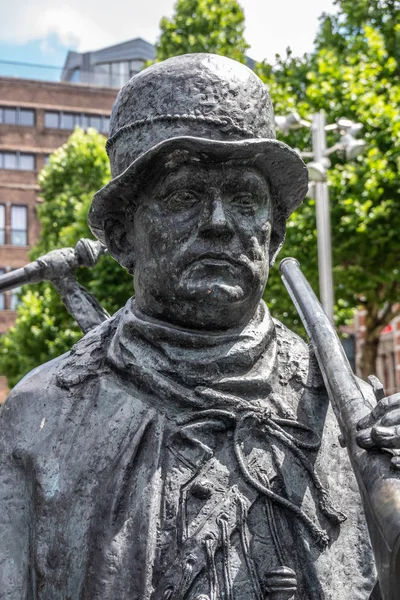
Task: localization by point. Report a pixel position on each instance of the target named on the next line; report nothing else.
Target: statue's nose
(215, 221)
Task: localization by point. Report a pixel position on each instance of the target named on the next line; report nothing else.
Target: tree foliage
(44, 329)
(354, 17)
(215, 26)
(353, 73)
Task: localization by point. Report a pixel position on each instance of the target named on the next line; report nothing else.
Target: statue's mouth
(217, 259)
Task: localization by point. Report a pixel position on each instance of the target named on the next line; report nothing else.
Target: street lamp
(317, 170)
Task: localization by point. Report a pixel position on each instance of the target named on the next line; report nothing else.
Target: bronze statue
(185, 448)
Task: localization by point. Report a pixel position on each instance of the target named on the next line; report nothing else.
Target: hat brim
(283, 169)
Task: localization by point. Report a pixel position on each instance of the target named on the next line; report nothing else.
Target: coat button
(280, 584)
(201, 489)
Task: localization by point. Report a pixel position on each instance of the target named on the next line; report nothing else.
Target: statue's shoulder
(45, 389)
(296, 360)
(84, 358)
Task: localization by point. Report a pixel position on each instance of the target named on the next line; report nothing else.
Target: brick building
(36, 117)
(388, 363)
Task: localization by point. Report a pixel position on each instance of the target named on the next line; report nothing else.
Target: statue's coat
(118, 483)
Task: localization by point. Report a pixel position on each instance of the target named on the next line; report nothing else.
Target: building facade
(109, 67)
(36, 117)
(388, 362)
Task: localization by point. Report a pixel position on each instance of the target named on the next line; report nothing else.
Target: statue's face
(201, 245)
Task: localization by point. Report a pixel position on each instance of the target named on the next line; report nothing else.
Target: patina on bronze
(185, 448)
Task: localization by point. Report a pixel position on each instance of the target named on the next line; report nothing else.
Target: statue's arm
(15, 510)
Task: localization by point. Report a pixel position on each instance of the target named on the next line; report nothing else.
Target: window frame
(17, 155)
(18, 231)
(3, 296)
(26, 155)
(6, 154)
(22, 110)
(58, 115)
(3, 229)
(14, 300)
(18, 111)
(79, 119)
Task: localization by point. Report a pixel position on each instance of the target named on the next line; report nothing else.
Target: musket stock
(379, 485)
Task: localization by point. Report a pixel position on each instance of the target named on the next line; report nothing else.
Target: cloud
(26, 21)
(91, 24)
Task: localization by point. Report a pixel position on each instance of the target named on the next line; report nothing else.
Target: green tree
(44, 329)
(353, 17)
(215, 26)
(352, 74)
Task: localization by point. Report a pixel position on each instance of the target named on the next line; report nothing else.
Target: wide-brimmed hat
(203, 104)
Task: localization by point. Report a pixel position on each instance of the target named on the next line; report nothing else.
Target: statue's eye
(181, 200)
(244, 202)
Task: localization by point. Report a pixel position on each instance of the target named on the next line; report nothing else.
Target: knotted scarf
(224, 375)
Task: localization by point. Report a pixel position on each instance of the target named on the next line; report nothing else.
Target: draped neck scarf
(196, 368)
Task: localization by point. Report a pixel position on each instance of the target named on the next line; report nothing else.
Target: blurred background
(332, 68)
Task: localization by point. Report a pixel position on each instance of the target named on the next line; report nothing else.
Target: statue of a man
(185, 448)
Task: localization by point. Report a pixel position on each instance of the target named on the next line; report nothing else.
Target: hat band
(225, 124)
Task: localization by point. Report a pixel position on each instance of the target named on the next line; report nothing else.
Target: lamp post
(317, 170)
(323, 218)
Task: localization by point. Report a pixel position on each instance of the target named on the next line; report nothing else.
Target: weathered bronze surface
(185, 449)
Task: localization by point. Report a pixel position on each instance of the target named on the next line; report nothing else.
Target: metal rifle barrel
(347, 399)
(13, 279)
(378, 484)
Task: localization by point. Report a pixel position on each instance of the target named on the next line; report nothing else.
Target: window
(2, 295)
(17, 161)
(2, 224)
(26, 162)
(19, 225)
(10, 116)
(17, 116)
(95, 122)
(119, 73)
(26, 117)
(75, 75)
(105, 128)
(14, 298)
(101, 74)
(67, 120)
(135, 67)
(10, 160)
(52, 119)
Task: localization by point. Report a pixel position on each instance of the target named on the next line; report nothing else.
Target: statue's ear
(118, 241)
(278, 234)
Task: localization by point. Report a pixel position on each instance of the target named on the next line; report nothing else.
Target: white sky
(271, 26)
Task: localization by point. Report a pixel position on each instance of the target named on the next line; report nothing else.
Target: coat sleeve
(15, 507)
